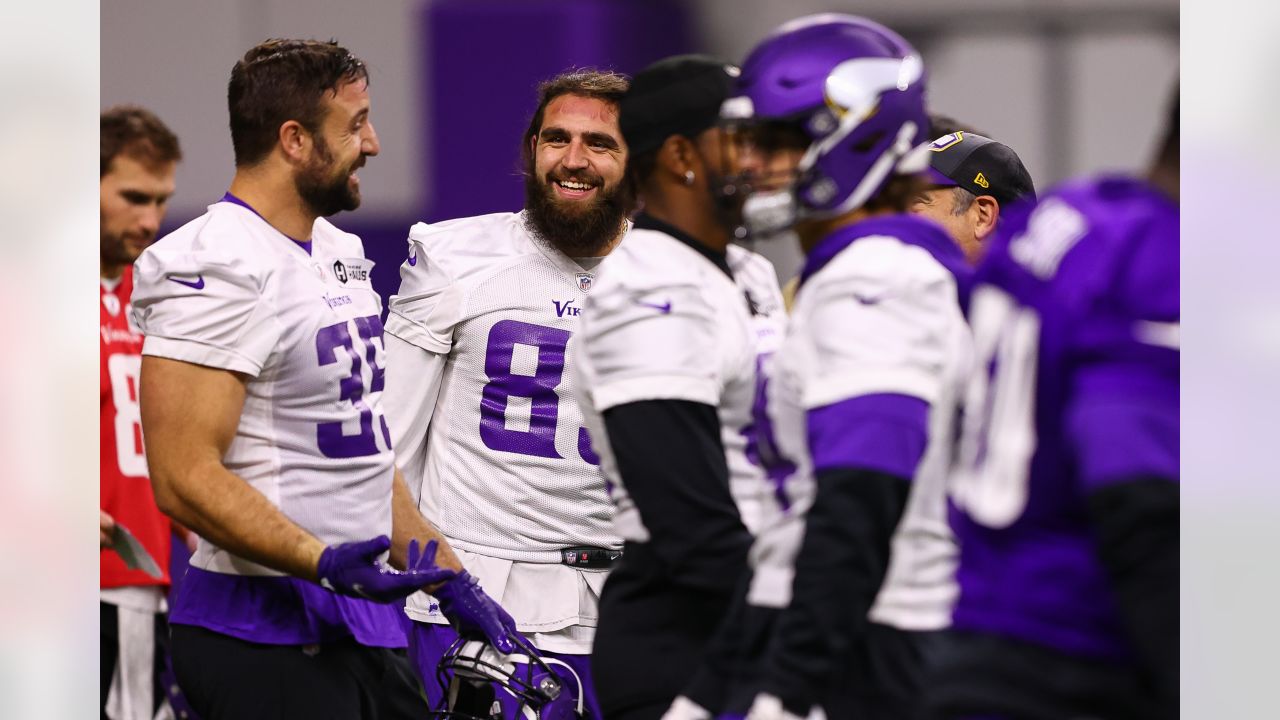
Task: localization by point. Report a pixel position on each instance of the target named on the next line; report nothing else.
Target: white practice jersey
(229, 291)
(664, 323)
(507, 472)
(754, 274)
(881, 317)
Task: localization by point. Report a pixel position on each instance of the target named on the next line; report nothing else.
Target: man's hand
(473, 613)
(106, 526)
(354, 569)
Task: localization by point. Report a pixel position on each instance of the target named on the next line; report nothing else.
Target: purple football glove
(354, 569)
(473, 613)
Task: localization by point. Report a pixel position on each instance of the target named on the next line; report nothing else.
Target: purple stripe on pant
(428, 643)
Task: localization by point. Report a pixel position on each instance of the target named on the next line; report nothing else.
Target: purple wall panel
(484, 60)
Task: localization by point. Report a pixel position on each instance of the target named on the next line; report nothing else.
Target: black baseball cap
(980, 165)
(679, 95)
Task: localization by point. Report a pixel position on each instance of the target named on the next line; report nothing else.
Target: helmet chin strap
(576, 679)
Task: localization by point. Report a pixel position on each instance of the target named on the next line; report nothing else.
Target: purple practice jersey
(1075, 314)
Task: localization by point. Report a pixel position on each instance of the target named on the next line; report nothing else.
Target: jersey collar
(648, 222)
(906, 228)
(228, 197)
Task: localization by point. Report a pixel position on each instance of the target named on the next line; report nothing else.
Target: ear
(295, 141)
(677, 156)
(988, 215)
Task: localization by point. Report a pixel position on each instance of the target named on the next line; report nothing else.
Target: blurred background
(1073, 86)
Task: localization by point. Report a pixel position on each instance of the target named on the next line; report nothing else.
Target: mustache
(584, 176)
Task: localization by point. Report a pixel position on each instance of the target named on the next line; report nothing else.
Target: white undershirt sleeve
(409, 400)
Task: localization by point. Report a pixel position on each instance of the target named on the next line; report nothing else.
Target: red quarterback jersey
(126, 490)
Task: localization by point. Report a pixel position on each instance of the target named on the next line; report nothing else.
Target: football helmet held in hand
(481, 683)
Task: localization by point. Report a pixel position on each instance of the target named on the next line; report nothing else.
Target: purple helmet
(525, 685)
(856, 90)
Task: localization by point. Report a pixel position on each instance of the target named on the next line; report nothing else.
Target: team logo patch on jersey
(946, 141)
(112, 304)
(352, 271)
(585, 281)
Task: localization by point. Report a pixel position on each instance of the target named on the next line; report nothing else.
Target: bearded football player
(485, 422)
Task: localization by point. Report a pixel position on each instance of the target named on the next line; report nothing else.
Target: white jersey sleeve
(207, 305)
(409, 401)
(881, 320)
(651, 341)
(428, 306)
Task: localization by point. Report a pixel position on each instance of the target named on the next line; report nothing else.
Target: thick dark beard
(581, 234)
(112, 251)
(324, 194)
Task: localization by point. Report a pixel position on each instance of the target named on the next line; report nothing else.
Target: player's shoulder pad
(748, 261)
(651, 271)
(877, 267)
(649, 259)
(756, 273)
(223, 243)
(464, 246)
(345, 244)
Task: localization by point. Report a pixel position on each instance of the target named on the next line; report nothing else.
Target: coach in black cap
(680, 161)
(971, 179)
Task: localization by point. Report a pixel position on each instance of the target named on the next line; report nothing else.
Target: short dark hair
(136, 132)
(282, 80)
(603, 85)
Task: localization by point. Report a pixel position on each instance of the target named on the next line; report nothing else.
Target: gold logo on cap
(981, 181)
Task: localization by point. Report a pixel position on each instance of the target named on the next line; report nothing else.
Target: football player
(854, 423)
(262, 376)
(139, 157)
(1066, 484)
(486, 427)
(666, 375)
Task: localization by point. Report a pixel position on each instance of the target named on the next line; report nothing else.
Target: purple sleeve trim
(883, 432)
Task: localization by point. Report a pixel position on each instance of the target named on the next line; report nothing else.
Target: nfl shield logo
(585, 280)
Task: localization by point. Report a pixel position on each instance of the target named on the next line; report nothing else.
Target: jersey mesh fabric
(310, 436)
(908, 337)
(523, 488)
(228, 291)
(759, 283)
(508, 475)
(665, 323)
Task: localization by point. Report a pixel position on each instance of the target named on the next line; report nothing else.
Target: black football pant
(651, 636)
(226, 678)
(977, 675)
